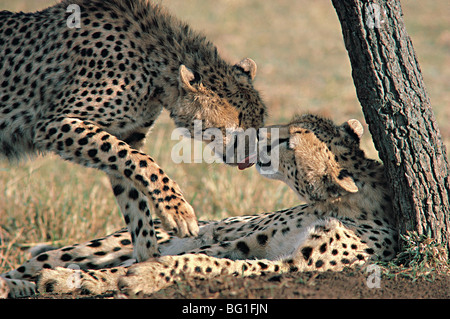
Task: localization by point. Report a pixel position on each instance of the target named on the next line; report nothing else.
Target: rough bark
(397, 108)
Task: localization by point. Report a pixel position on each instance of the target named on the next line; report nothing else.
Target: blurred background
(302, 67)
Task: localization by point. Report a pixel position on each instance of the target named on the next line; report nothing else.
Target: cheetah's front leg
(136, 211)
(132, 174)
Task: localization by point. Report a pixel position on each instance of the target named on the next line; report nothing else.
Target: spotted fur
(91, 95)
(347, 221)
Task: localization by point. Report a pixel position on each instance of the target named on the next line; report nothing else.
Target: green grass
(302, 67)
(420, 257)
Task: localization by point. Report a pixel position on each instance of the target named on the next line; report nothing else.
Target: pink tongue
(248, 162)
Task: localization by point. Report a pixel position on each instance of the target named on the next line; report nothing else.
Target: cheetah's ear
(248, 66)
(190, 80)
(355, 127)
(345, 181)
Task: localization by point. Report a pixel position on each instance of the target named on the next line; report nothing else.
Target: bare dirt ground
(349, 284)
(314, 285)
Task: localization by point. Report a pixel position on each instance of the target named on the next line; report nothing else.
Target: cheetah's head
(313, 156)
(224, 106)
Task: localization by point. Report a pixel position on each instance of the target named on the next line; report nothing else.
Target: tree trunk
(396, 106)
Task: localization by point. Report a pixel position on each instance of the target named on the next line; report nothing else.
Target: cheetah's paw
(65, 280)
(15, 288)
(144, 278)
(180, 218)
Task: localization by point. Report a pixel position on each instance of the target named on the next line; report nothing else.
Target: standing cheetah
(347, 220)
(91, 94)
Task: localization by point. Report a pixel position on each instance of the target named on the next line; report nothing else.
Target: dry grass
(303, 67)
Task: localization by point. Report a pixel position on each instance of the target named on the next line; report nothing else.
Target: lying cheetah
(346, 221)
(90, 93)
